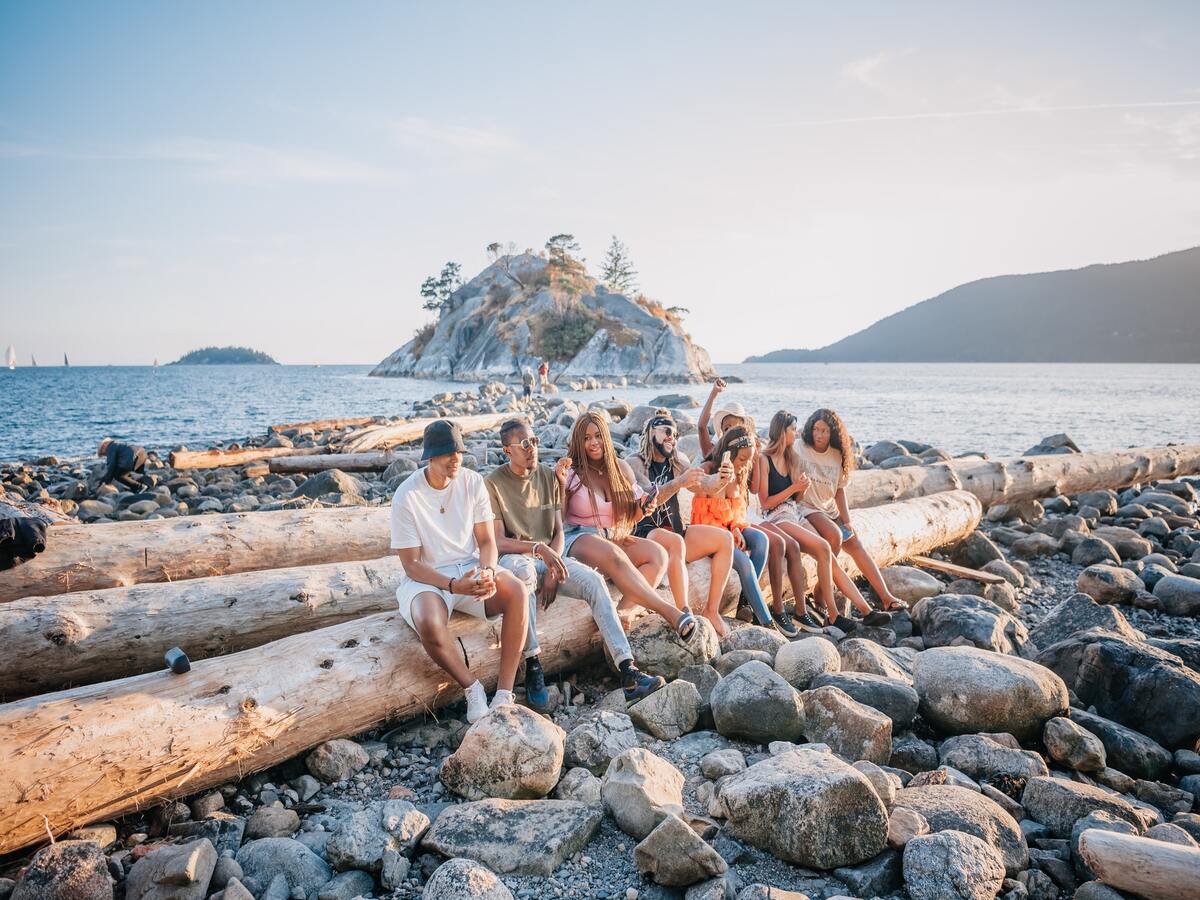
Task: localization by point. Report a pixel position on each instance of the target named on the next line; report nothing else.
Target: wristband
(450, 586)
(533, 549)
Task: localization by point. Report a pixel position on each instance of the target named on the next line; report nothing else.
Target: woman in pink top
(601, 504)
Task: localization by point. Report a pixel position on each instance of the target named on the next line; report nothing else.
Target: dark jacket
(123, 459)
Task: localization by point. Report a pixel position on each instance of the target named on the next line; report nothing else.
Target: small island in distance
(224, 356)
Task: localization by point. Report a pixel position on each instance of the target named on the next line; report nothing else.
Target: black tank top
(776, 483)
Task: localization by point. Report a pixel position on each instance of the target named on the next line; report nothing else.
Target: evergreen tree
(437, 290)
(617, 270)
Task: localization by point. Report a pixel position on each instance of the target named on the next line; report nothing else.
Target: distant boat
(66, 362)
(12, 357)
(33, 360)
(156, 364)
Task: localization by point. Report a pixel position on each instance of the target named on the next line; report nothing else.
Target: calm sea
(998, 408)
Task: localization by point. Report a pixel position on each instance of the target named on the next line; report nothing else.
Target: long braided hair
(839, 437)
(605, 473)
(646, 447)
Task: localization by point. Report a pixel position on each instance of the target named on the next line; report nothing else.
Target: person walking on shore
(543, 376)
(827, 455)
(660, 466)
(526, 499)
(443, 533)
(527, 383)
(123, 460)
(601, 505)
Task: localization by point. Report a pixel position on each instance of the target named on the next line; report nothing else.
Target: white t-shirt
(824, 477)
(445, 538)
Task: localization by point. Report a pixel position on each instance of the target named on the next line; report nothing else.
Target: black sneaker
(808, 623)
(877, 618)
(638, 685)
(784, 623)
(844, 623)
(536, 694)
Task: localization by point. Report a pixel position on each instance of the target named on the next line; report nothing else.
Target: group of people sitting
(503, 547)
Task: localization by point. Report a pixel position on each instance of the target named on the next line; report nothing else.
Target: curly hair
(606, 472)
(839, 437)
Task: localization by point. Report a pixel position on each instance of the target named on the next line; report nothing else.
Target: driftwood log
(367, 461)
(1155, 870)
(323, 424)
(92, 753)
(381, 437)
(216, 458)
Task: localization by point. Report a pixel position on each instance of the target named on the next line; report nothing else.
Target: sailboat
(33, 360)
(12, 357)
(156, 365)
(66, 362)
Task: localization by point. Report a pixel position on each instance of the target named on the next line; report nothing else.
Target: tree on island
(617, 271)
(437, 289)
(560, 247)
(218, 356)
(502, 255)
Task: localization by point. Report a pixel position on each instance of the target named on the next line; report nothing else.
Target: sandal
(898, 606)
(686, 626)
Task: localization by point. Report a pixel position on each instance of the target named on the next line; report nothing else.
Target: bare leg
(795, 568)
(870, 571)
(677, 575)
(509, 601)
(818, 548)
(776, 558)
(706, 540)
(430, 618)
(613, 563)
(650, 558)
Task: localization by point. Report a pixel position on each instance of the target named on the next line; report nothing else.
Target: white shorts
(784, 512)
(409, 590)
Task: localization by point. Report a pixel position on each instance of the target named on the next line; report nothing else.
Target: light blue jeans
(749, 565)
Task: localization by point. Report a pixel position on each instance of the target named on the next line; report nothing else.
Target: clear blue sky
(284, 175)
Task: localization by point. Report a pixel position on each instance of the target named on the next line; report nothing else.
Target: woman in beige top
(826, 452)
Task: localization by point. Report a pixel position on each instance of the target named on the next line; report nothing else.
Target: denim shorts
(571, 532)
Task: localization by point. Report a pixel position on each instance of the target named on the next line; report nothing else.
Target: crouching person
(527, 502)
(442, 532)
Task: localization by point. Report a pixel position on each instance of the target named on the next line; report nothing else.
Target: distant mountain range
(1141, 311)
(223, 356)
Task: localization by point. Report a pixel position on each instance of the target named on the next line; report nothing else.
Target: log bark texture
(323, 424)
(368, 461)
(216, 458)
(378, 437)
(1152, 869)
(92, 753)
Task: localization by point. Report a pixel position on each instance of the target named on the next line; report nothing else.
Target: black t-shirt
(666, 515)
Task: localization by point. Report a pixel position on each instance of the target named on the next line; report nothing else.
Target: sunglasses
(667, 429)
(526, 443)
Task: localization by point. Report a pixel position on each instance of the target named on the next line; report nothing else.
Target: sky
(285, 175)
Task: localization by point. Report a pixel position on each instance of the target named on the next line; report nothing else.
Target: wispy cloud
(426, 134)
(244, 162)
(868, 71)
(996, 111)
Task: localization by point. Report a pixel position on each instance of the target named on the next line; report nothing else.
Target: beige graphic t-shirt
(824, 476)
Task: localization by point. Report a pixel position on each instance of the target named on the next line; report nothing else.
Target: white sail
(12, 357)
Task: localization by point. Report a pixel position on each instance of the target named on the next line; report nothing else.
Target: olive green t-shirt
(528, 504)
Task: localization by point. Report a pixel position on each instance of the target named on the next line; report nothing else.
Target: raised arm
(706, 444)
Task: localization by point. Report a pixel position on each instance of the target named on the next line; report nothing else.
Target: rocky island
(225, 356)
(527, 307)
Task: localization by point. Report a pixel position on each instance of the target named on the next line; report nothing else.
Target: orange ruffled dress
(723, 512)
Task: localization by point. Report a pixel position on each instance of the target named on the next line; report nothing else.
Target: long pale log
(216, 458)
(1026, 477)
(323, 424)
(92, 753)
(368, 461)
(1155, 870)
(88, 557)
(13, 507)
(384, 436)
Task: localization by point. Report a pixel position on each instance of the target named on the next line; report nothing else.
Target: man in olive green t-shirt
(527, 501)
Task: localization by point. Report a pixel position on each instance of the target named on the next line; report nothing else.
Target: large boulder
(911, 584)
(953, 618)
(1126, 750)
(266, 858)
(1179, 595)
(1127, 542)
(464, 879)
(852, 731)
(524, 837)
(1093, 551)
(1131, 682)
(951, 864)
(674, 855)
(755, 703)
(595, 743)
(660, 651)
(1079, 612)
(383, 830)
(670, 712)
(861, 655)
(179, 872)
(1058, 804)
(976, 550)
(512, 752)
(984, 758)
(1109, 584)
(331, 481)
(799, 662)
(67, 870)
(894, 698)
(640, 789)
(965, 690)
(835, 818)
(754, 637)
(1073, 746)
(951, 808)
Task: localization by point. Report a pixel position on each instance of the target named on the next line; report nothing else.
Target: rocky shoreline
(889, 762)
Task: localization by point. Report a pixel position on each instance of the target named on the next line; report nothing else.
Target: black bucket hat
(440, 438)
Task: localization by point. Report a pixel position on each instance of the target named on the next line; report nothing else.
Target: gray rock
(981, 757)
(754, 637)
(894, 698)
(272, 821)
(836, 818)
(853, 731)
(1079, 612)
(1170, 834)
(674, 855)
(337, 760)
(579, 785)
(1006, 571)
(363, 838)
(1073, 746)
(951, 865)
(1126, 750)
(224, 830)
(911, 754)
(1127, 542)
(597, 742)
(1105, 501)
(911, 584)
(669, 712)
(722, 762)
(265, 859)
(976, 551)
(951, 619)
(965, 690)
(1109, 584)
(640, 789)
(1094, 550)
(756, 704)
(1101, 820)
(885, 783)
(884, 450)
(860, 655)
(876, 877)
(904, 824)
(347, 886)
(67, 870)
(179, 872)
(524, 837)
(512, 752)
(799, 662)
(465, 879)
(1058, 804)
(660, 651)
(234, 889)
(331, 481)
(1179, 595)
(1035, 545)
(951, 808)
(727, 662)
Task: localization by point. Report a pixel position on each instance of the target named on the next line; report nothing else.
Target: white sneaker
(502, 698)
(477, 706)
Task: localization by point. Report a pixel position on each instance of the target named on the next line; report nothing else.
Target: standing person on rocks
(543, 376)
(527, 383)
(827, 454)
(659, 465)
(526, 498)
(782, 479)
(601, 505)
(442, 531)
(123, 460)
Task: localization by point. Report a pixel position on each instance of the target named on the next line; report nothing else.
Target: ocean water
(995, 407)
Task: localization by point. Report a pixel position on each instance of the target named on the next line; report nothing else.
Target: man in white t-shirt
(442, 531)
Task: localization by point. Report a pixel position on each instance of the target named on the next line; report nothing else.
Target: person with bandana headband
(660, 466)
